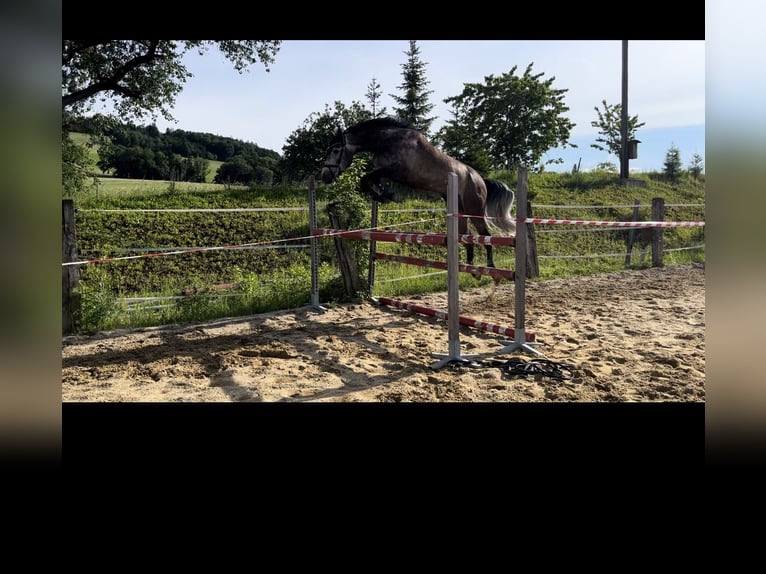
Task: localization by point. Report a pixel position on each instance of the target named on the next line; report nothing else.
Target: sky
(666, 88)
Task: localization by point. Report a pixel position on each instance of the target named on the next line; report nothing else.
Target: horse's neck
(355, 144)
(377, 142)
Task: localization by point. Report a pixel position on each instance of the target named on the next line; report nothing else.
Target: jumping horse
(403, 155)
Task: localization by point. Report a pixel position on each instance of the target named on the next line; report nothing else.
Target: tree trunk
(70, 274)
(349, 268)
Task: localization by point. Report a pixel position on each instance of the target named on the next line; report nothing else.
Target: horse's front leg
(469, 253)
(373, 185)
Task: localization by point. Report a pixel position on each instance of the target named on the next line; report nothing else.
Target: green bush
(98, 302)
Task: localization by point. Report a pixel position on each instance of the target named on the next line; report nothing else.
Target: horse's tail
(499, 204)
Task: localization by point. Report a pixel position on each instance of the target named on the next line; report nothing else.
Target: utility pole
(624, 172)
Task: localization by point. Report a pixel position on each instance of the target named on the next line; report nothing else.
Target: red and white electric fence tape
(611, 223)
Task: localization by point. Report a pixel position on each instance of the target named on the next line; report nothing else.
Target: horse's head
(338, 158)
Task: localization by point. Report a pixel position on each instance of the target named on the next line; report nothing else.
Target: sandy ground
(628, 336)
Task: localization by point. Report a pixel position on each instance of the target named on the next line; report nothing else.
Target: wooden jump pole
(453, 303)
(314, 253)
(371, 264)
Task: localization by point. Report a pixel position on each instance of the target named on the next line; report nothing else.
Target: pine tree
(373, 96)
(413, 106)
(695, 166)
(672, 164)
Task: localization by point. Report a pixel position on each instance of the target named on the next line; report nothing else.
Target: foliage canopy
(142, 76)
(609, 124)
(507, 121)
(306, 148)
(138, 77)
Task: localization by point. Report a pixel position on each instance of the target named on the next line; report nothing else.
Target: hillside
(177, 154)
(83, 139)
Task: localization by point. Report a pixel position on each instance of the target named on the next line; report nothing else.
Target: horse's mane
(380, 123)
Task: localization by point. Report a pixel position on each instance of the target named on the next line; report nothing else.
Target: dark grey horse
(403, 155)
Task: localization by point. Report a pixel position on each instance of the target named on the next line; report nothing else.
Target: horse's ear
(337, 137)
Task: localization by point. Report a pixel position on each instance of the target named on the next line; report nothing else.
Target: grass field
(109, 186)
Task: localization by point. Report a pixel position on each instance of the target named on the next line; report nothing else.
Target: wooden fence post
(658, 214)
(70, 274)
(347, 262)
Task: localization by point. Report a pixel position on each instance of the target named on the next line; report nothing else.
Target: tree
(373, 96)
(455, 140)
(196, 169)
(235, 171)
(142, 76)
(133, 163)
(413, 106)
(695, 165)
(609, 124)
(672, 166)
(262, 175)
(75, 167)
(306, 148)
(513, 119)
(606, 166)
(139, 77)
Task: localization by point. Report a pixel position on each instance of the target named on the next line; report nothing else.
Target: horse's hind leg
(482, 229)
(462, 229)
(490, 260)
